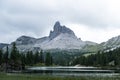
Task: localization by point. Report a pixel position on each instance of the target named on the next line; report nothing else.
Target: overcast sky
(93, 20)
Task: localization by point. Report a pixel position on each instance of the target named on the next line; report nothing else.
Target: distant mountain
(58, 29)
(61, 38)
(111, 44)
(63, 44)
(25, 40)
(3, 45)
(107, 46)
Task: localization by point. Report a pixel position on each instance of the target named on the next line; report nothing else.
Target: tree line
(16, 60)
(109, 58)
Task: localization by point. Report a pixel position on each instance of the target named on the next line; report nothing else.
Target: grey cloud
(39, 16)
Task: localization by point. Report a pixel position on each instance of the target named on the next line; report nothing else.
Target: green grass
(4, 76)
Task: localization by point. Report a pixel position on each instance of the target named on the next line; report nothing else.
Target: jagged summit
(60, 37)
(58, 29)
(57, 26)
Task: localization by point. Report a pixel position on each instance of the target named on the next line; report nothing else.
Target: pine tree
(48, 59)
(36, 57)
(41, 57)
(15, 57)
(23, 60)
(27, 58)
(5, 56)
(14, 53)
(1, 56)
(30, 58)
(51, 60)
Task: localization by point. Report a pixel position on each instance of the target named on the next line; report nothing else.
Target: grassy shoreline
(7, 76)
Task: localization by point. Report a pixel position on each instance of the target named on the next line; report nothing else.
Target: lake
(72, 71)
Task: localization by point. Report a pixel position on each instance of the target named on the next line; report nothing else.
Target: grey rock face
(112, 43)
(23, 40)
(60, 38)
(3, 45)
(58, 29)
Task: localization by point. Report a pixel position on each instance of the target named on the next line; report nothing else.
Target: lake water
(72, 71)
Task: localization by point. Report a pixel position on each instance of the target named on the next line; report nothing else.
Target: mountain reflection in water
(72, 71)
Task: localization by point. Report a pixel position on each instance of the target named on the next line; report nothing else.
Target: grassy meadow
(9, 76)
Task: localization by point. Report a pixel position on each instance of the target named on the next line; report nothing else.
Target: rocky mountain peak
(60, 37)
(25, 40)
(58, 29)
(113, 42)
(57, 26)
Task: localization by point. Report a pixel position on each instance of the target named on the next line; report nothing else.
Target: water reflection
(72, 71)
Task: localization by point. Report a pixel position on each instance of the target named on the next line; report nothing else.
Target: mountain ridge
(60, 37)
(63, 38)
(2, 45)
